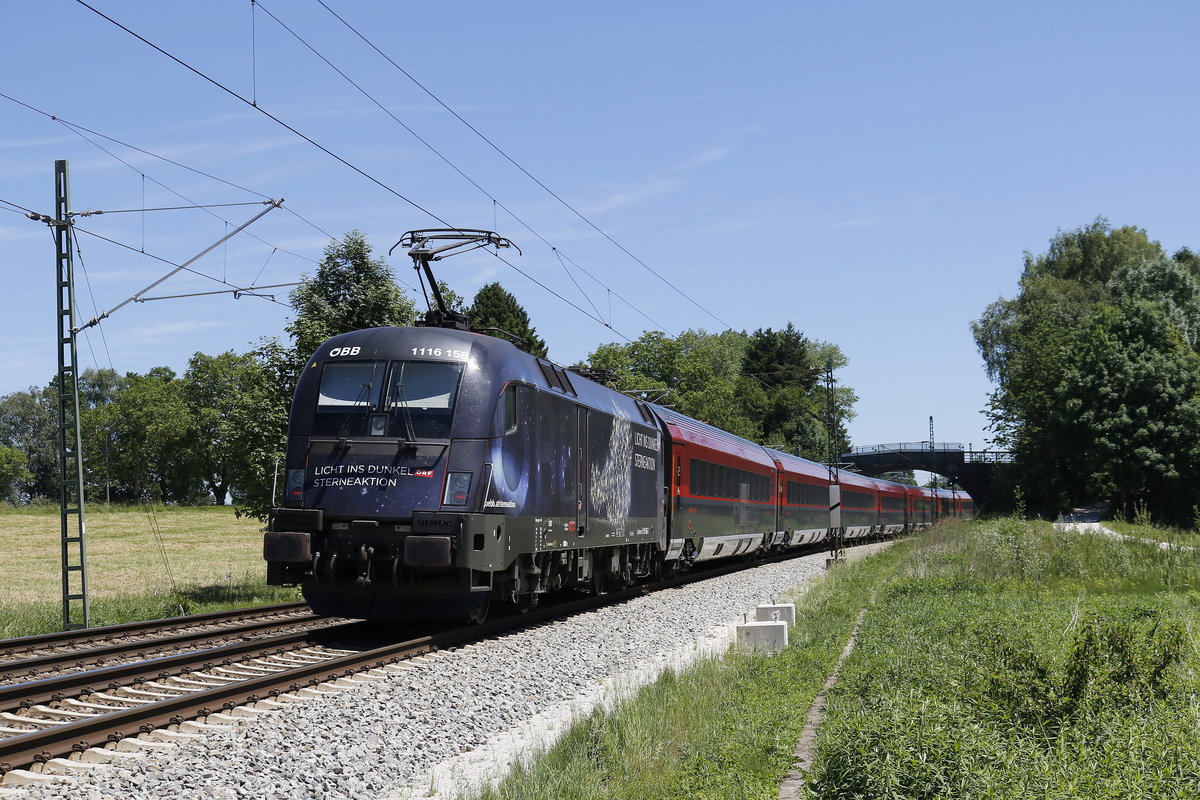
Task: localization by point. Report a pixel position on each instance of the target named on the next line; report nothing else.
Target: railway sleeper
(217, 680)
(26, 777)
(36, 722)
(96, 708)
(141, 691)
(278, 663)
(61, 712)
(169, 690)
(70, 766)
(136, 744)
(191, 684)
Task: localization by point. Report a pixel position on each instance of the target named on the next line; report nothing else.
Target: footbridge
(973, 470)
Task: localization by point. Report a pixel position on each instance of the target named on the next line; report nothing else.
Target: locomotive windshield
(418, 402)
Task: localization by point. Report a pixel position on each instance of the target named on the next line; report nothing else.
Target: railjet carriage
(431, 471)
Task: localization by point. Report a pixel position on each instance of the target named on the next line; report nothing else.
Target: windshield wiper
(406, 414)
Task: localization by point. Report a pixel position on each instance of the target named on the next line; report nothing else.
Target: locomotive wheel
(599, 582)
(479, 613)
(527, 602)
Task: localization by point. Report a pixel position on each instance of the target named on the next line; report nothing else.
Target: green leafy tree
(351, 290)
(495, 309)
(1131, 402)
(261, 419)
(14, 473)
(761, 386)
(29, 423)
(220, 393)
(151, 429)
(1092, 362)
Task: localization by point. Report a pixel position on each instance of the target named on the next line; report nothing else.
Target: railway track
(66, 723)
(147, 630)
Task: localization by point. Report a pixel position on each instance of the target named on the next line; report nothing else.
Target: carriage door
(581, 470)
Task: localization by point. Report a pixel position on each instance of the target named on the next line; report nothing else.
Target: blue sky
(871, 172)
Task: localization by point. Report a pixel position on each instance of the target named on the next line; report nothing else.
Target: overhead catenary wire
(327, 151)
(451, 164)
(528, 174)
(78, 131)
(391, 190)
(179, 267)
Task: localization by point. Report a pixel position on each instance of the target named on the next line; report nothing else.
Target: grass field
(1000, 659)
(142, 563)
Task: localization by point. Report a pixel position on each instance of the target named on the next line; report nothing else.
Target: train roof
(692, 431)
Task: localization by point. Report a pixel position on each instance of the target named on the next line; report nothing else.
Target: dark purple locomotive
(429, 470)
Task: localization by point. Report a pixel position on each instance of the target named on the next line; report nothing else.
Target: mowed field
(140, 560)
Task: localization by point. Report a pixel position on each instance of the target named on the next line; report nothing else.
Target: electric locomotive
(430, 469)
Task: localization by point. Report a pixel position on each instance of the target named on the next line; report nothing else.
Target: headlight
(458, 489)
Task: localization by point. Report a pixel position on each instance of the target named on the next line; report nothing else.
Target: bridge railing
(954, 449)
(989, 457)
(904, 447)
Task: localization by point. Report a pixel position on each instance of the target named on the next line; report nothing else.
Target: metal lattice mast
(837, 545)
(75, 603)
(934, 479)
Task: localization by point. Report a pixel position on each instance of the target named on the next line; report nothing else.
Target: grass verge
(1001, 659)
(725, 728)
(143, 563)
(1018, 661)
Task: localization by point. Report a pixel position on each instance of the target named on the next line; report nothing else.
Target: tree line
(1096, 363)
(216, 433)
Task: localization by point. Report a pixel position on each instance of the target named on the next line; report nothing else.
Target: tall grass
(1015, 661)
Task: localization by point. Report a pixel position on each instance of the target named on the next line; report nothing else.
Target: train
(433, 472)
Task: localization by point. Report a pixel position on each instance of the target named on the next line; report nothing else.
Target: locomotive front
(385, 455)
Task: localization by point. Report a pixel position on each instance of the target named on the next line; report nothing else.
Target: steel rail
(11, 670)
(22, 695)
(10, 647)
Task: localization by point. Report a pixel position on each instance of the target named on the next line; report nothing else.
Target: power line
(320, 147)
(80, 130)
(184, 267)
(512, 161)
(267, 114)
(450, 164)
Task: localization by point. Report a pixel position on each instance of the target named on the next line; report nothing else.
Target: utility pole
(934, 480)
(75, 600)
(837, 543)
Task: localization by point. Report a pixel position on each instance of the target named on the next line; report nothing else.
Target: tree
(14, 473)
(1132, 405)
(262, 419)
(1096, 371)
(29, 423)
(762, 386)
(495, 309)
(351, 290)
(151, 429)
(221, 393)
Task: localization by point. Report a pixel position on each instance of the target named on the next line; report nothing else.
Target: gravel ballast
(450, 723)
